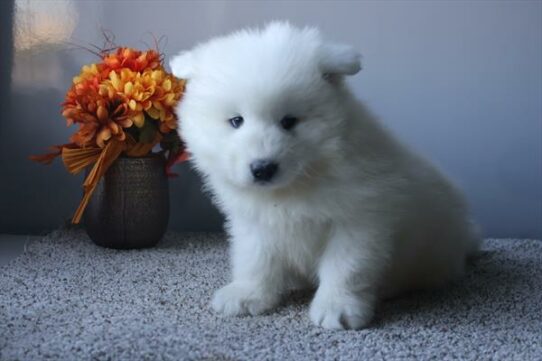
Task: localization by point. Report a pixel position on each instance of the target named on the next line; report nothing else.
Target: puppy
(314, 190)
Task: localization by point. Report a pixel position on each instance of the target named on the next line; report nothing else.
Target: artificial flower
(123, 104)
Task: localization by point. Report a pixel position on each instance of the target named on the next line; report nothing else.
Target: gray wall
(461, 82)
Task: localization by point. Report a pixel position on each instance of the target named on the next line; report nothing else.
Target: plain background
(459, 81)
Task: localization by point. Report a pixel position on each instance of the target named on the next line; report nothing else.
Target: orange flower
(153, 92)
(132, 59)
(168, 91)
(100, 116)
(133, 89)
(93, 73)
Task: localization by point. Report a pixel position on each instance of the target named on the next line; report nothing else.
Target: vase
(130, 205)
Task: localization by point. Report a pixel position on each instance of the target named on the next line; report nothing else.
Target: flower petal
(103, 135)
(102, 113)
(125, 123)
(139, 120)
(153, 113)
(166, 85)
(115, 129)
(115, 81)
(128, 87)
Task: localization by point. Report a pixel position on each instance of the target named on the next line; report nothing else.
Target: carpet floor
(67, 299)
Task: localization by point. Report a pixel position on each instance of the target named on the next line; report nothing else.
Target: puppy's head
(264, 108)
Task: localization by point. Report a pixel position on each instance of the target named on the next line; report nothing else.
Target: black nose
(263, 170)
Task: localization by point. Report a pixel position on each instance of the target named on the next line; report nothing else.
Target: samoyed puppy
(315, 192)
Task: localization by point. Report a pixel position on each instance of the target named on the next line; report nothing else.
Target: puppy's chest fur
(295, 228)
(299, 244)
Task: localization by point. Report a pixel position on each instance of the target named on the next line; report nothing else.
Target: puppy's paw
(238, 299)
(340, 313)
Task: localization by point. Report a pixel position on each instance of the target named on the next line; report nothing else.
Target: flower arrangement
(123, 104)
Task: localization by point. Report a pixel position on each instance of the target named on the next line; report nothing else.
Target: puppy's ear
(182, 65)
(337, 60)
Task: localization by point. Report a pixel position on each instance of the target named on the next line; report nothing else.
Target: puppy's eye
(236, 122)
(288, 122)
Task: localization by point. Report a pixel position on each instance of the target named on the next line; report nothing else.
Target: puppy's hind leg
(258, 275)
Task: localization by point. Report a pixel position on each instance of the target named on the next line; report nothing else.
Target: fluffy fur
(351, 211)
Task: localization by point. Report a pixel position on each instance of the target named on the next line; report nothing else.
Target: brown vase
(130, 205)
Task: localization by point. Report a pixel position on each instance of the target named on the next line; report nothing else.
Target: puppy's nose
(263, 170)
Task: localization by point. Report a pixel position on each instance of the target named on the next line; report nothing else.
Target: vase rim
(147, 156)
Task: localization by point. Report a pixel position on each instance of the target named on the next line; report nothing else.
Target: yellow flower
(168, 91)
(128, 84)
(153, 92)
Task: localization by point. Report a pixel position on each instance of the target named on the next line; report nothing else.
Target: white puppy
(314, 190)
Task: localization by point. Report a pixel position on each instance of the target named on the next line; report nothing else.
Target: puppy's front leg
(258, 273)
(348, 273)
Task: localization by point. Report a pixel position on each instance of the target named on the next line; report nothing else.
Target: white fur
(351, 212)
